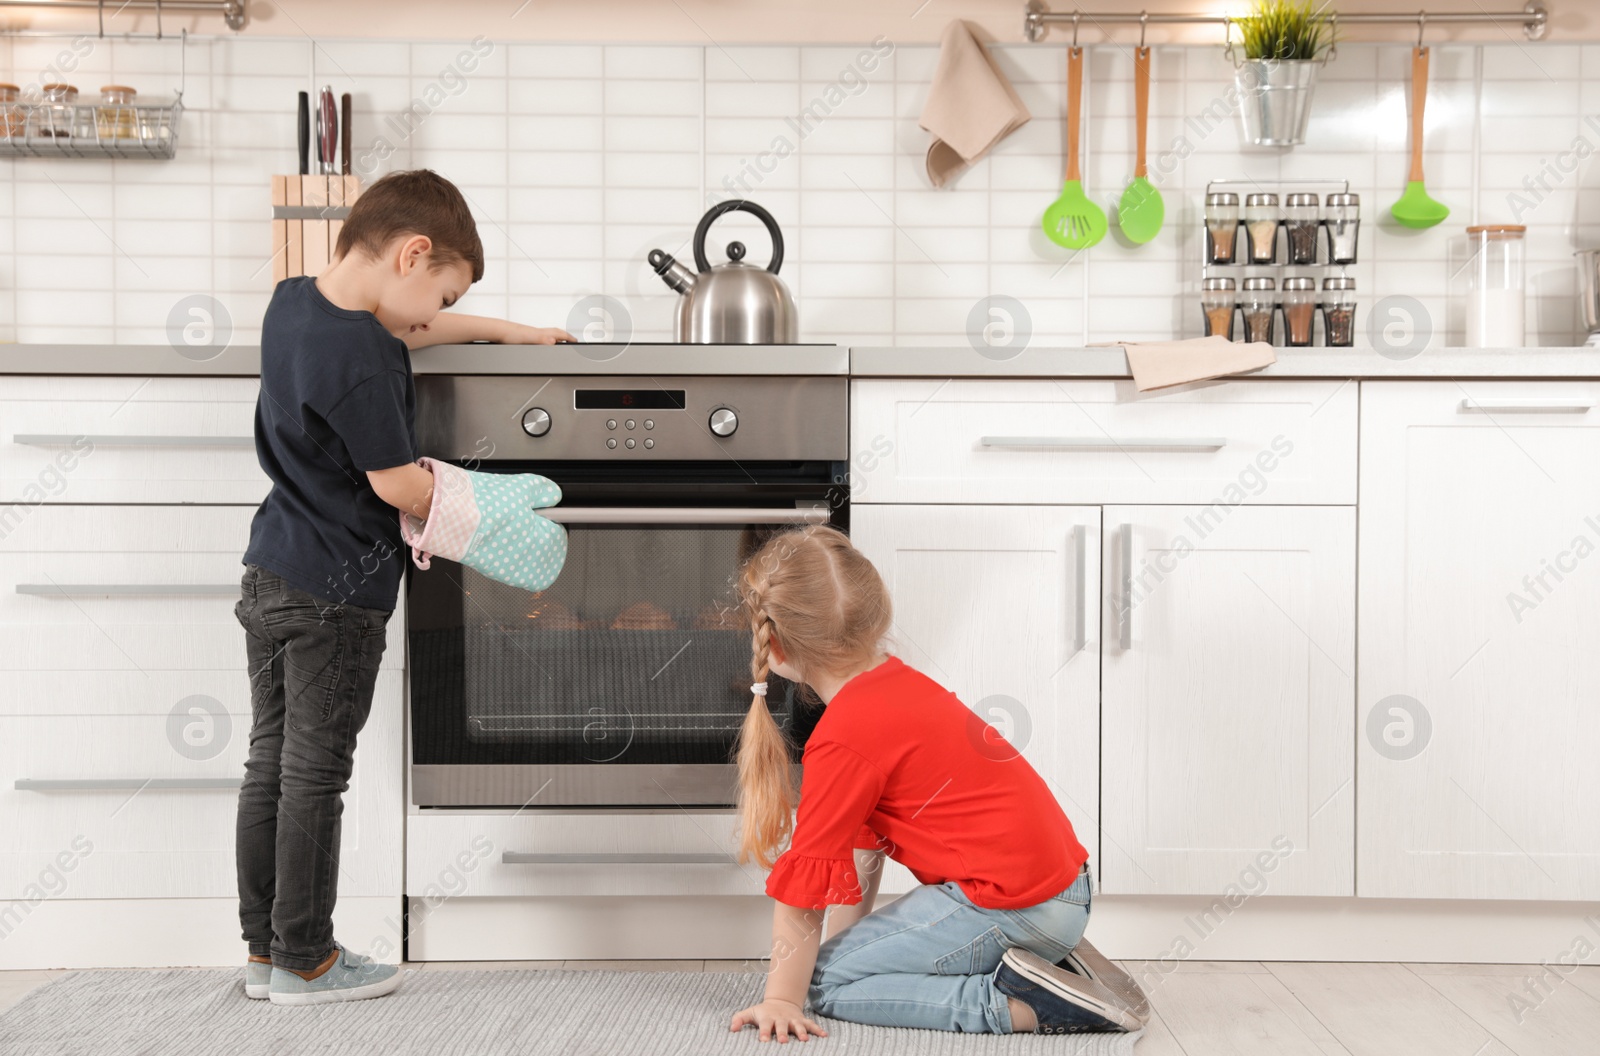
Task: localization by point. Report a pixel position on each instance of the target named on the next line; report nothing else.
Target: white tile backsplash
(580, 159)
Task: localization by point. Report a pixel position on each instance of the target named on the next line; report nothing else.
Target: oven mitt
(486, 522)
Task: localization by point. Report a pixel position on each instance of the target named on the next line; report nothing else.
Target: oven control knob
(724, 421)
(536, 422)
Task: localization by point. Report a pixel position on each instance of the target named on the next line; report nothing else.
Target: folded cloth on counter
(1157, 364)
(486, 522)
(970, 107)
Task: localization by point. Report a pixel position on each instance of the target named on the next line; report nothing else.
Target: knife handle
(329, 131)
(344, 134)
(305, 134)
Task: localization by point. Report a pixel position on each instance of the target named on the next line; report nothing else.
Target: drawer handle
(111, 784)
(683, 515)
(85, 590)
(1547, 406)
(1104, 443)
(1125, 617)
(532, 858)
(131, 440)
(1080, 546)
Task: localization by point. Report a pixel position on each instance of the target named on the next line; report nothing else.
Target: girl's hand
(517, 334)
(776, 1016)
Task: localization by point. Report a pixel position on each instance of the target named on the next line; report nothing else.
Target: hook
(1227, 40)
(1077, 14)
(1422, 20)
(102, 8)
(158, 19)
(1144, 18)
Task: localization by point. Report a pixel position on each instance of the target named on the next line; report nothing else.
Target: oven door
(626, 682)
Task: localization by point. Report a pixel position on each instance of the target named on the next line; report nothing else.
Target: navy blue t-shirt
(337, 400)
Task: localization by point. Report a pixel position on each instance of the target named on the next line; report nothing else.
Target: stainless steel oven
(625, 683)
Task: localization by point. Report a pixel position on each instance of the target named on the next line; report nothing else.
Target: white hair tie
(759, 688)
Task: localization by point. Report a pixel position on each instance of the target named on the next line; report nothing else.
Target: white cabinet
(1000, 605)
(1227, 700)
(1480, 610)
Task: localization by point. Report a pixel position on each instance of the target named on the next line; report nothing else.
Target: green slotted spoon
(1072, 220)
(1415, 208)
(1140, 211)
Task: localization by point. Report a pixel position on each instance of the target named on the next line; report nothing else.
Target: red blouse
(898, 762)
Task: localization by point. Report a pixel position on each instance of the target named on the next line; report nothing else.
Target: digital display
(627, 399)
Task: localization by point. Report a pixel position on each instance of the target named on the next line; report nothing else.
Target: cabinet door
(1480, 610)
(999, 605)
(1227, 700)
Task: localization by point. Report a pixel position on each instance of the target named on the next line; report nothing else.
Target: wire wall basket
(90, 130)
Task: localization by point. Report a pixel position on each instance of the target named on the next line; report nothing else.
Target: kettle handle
(737, 205)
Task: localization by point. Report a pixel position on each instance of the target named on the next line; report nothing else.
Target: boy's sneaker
(1062, 1001)
(257, 980)
(352, 977)
(1090, 963)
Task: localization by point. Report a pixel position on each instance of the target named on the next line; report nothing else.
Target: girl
(898, 765)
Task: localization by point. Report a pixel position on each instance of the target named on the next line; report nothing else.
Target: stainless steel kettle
(734, 303)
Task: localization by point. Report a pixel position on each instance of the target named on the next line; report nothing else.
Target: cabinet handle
(131, 440)
(1080, 545)
(1125, 617)
(110, 784)
(684, 515)
(83, 590)
(1534, 403)
(533, 858)
(1106, 443)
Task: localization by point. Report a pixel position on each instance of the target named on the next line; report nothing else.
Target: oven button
(611, 441)
(724, 421)
(536, 422)
(611, 423)
(630, 423)
(649, 423)
(649, 442)
(630, 443)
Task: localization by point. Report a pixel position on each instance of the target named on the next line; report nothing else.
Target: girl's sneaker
(1062, 1001)
(352, 977)
(257, 980)
(1090, 963)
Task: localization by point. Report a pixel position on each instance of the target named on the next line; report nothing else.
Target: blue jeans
(928, 958)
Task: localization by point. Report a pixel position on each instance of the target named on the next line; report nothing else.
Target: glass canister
(1261, 222)
(1343, 219)
(1300, 224)
(1258, 302)
(1222, 227)
(1220, 303)
(1299, 309)
(1339, 311)
(11, 119)
(1495, 298)
(115, 118)
(52, 117)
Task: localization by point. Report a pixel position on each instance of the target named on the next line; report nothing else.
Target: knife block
(307, 213)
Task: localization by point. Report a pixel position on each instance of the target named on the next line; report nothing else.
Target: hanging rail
(232, 11)
(1533, 18)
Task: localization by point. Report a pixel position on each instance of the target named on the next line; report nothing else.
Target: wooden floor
(1243, 1008)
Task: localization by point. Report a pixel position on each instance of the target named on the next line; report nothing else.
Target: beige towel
(1157, 364)
(970, 107)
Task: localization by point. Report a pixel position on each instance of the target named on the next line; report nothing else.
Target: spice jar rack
(1264, 247)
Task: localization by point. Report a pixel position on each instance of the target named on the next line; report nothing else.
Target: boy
(334, 432)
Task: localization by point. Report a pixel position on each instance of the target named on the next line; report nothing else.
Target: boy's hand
(517, 334)
(777, 1017)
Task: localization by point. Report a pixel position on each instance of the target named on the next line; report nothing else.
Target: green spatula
(1072, 220)
(1140, 211)
(1415, 208)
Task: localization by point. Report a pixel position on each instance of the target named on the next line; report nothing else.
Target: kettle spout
(671, 271)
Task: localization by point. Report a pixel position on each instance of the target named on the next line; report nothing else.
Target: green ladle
(1140, 211)
(1072, 220)
(1415, 208)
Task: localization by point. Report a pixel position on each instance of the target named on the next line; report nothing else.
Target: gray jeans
(313, 664)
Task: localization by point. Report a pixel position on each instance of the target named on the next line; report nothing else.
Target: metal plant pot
(1275, 100)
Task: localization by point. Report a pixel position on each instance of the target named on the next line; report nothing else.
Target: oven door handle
(534, 858)
(684, 515)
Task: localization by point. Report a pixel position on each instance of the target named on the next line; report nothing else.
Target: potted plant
(1284, 44)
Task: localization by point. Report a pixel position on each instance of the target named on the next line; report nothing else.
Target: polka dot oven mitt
(486, 522)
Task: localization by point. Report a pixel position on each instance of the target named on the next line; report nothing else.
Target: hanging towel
(486, 522)
(971, 106)
(1157, 364)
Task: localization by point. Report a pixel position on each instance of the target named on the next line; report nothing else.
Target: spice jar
(52, 118)
(1300, 225)
(116, 118)
(1261, 221)
(1495, 299)
(1343, 218)
(1222, 226)
(1299, 309)
(1339, 311)
(1259, 301)
(11, 119)
(1219, 302)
